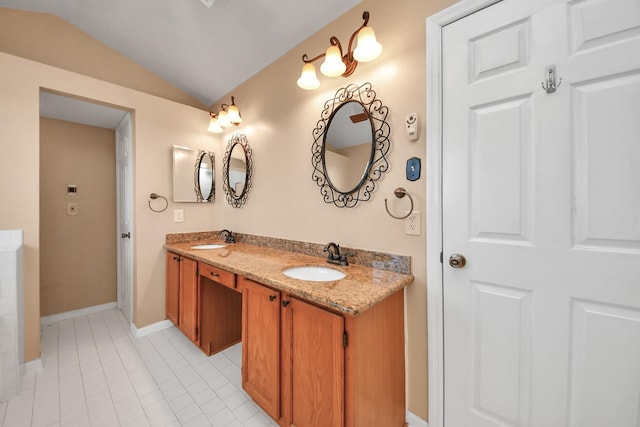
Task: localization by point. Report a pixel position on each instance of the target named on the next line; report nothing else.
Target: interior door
(124, 177)
(541, 197)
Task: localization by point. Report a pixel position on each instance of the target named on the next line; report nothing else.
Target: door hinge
(345, 339)
(441, 257)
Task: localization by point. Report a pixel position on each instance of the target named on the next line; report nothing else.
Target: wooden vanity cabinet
(313, 356)
(203, 302)
(261, 345)
(374, 365)
(173, 287)
(307, 366)
(220, 312)
(182, 294)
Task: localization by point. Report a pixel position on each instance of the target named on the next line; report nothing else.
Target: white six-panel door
(541, 195)
(124, 178)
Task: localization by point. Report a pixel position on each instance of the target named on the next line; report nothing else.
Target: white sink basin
(208, 246)
(314, 273)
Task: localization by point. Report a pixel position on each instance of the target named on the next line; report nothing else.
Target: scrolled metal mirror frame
(196, 177)
(237, 201)
(381, 144)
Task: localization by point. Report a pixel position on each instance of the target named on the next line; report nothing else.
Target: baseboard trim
(415, 421)
(32, 365)
(146, 330)
(75, 313)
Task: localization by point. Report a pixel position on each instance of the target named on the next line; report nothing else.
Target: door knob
(457, 261)
(126, 235)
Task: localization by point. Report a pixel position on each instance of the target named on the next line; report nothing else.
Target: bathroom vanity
(327, 353)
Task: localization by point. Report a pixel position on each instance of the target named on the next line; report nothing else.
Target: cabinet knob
(285, 303)
(175, 258)
(214, 274)
(272, 298)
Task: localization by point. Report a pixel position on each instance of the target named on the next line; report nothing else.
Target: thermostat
(412, 126)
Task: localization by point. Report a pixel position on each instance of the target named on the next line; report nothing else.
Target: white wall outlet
(178, 215)
(72, 208)
(412, 224)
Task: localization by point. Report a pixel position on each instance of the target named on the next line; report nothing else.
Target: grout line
(87, 346)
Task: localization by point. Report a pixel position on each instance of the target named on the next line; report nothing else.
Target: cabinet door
(261, 345)
(173, 287)
(189, 298)
(314, 364)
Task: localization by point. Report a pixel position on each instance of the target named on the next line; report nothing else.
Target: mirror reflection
(237, 170)
(205, 177)
(348, 146)
(193, 175)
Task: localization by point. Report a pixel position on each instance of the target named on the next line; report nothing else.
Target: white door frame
(435, 299)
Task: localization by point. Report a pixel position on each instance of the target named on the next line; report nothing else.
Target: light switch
(178, 215)
(72, 208)
(413, 169)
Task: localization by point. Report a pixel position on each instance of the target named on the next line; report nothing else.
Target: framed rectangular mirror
(193, 175)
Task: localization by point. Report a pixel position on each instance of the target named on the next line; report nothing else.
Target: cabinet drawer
(217, 275)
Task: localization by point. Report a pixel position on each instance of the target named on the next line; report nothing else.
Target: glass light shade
(214, 126)
(333, 65)
(308, 79)
(223, 119)
(234, 115)
(368, 47)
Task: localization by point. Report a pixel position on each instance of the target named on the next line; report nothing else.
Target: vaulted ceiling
(203, 47)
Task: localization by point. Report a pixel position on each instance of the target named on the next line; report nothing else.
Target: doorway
(80, 254)
(532, 186)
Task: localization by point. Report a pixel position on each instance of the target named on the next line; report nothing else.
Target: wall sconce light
(338, 63)
(227, 116)
(214, 125)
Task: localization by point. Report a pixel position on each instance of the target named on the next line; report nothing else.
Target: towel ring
(400, 193)
(154, 196)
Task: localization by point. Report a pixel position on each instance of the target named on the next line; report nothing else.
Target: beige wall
(278, 120)
(159, 124)
(51, 40)
(77, 252)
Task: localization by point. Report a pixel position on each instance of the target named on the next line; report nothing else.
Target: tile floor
(96, 374)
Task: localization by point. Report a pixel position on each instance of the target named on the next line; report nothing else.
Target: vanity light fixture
(214, 125)
(229, 115)
(338, 63)
(223, 118)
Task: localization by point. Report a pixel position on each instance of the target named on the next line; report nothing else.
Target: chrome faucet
(228, 236)
(334, 256)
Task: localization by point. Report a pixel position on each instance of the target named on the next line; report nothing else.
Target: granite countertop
(362, 288)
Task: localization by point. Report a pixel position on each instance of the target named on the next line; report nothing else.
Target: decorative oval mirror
(237, 170)
(204, 177)
(351, 141)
